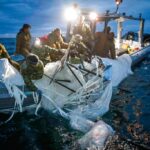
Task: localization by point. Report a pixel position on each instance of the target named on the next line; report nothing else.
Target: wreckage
(78, 92)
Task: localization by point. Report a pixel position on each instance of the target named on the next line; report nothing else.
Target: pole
(119, 34)
(68, 31)
(141, 30)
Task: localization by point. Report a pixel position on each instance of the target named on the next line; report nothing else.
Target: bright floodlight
(71, 14)
(118, 2)
(37, 42)
(93, 16)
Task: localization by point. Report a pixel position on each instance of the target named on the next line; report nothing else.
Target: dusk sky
(44, 15)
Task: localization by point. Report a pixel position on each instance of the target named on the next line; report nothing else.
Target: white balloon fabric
(121, 68)
(96, 137)
(12, 78)
(80, 93)
(9, 73)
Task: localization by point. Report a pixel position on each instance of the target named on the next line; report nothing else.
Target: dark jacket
(23, 41)
(104, 46)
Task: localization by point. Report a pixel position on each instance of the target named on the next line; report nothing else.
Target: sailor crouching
(78, 51)
(32, 69)
(47, 54)
(55, 40)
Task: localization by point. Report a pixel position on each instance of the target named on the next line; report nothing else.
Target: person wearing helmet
(32, 69)
(55, 40)
(23, 40)
(4, 54)
(84, 30)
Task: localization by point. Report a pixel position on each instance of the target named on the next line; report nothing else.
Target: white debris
(96, 137)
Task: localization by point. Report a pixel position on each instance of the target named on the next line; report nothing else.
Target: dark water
(129, 115)
(130, 109)
(9, 43)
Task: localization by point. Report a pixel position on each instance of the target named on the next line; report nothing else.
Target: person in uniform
(4, 54)
(100, 44)
(84, 30)
(111, 45)
(23, 40)
(78, 51)
(46, 53)
(55, 40)
(32, 69)
(104, 46)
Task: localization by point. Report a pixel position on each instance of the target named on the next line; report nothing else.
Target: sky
(45, 15)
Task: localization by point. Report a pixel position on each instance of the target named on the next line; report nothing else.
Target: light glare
(93, 16)
(37, 42)
(71, 14)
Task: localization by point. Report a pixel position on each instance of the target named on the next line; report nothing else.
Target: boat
(138, 50)
(78, 92)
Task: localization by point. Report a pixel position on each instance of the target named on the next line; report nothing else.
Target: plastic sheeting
(9, 73)
(75, 94)
(97, 136)
(12, 78)
(121, 68)
(91, 96)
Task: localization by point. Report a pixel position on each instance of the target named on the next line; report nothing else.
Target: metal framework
(106, 18)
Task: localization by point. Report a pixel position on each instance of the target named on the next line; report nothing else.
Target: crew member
(47, 54)
(23, 40)
(32, 69)
(104, 46)
(55, 40)
(84, 30)
(78, 51)
(4, 54)
(111, 45)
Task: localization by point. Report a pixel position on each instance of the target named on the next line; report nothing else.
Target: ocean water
(9, 43)
(129, 115)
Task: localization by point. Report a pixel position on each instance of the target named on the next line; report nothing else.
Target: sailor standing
(84, 30)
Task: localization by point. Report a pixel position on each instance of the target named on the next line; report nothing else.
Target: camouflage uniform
(32, 72)
(47, 54)
(56, 42)
(79, 52)
(23, 41)
(4, 54)
(85, 31)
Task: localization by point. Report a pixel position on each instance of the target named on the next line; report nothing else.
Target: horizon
(51, 14)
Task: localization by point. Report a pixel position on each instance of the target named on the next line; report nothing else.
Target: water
(9, 43)
(129, 115)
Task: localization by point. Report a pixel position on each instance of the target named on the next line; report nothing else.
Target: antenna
(118, 2)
